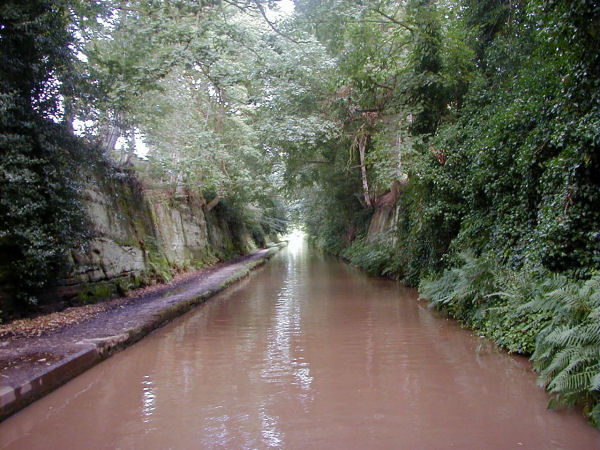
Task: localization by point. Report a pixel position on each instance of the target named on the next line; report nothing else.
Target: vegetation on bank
(554, 319)
(475, 123)
(480, 132)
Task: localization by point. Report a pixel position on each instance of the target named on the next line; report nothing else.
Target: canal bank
(31, 367)
(308, 352)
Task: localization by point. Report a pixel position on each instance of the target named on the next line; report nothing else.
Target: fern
(374, 256)
(466, 291)
(551, 317)
(567, 351)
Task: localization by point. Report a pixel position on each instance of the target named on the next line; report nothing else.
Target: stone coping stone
(75, 349)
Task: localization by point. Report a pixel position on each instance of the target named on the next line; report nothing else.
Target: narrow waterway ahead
(306, 353)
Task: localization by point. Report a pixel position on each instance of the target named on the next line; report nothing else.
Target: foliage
(192, 79)
(41, 217)
(490, 128)
(550, 317)
(174, 72)
(507, 322)
(374, 256)
(566, 353)
(465, 291)
(331, 216)
(478, 111)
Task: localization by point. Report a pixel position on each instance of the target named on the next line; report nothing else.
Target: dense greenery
(80, 80)
(532, 311)
(481, 131)
(450, 144)
(40, 213)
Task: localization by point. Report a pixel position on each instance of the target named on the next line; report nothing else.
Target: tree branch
(316, 161)
(395, 21)
(271, 25)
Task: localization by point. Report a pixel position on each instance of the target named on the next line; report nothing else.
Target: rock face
(138, 233)
(384, 218)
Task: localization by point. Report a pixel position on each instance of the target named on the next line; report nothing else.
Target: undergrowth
(567, 349)
(550, 317)
(375, 256)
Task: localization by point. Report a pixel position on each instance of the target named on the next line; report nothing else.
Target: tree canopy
(475, 123)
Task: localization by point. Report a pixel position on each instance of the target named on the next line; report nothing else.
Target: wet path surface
(306, 353)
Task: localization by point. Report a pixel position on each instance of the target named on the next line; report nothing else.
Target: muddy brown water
(305, 353)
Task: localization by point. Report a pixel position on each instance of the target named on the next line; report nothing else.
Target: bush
(466, 292)
(41, 217)
(554, 319)
(376, 257)
(567, 352)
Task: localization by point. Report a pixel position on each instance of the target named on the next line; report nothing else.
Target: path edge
(15, 398)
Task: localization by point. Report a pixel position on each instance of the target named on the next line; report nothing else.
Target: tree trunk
(110, 134)
(210, 205)
(362, 148)
(130, 150)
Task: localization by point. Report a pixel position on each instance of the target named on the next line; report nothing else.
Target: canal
(305, 353)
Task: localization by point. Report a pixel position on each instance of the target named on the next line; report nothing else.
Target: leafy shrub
(508, 323)
(567, 353)
(465, 291)
(41, 217)
(376, 257)
(554, 319)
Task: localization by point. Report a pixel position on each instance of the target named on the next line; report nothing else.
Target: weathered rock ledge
(34, 366)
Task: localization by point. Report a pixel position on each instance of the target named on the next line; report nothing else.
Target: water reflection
(270, 431)
(148, 398)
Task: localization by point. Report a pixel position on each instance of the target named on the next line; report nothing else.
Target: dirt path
(38, 355)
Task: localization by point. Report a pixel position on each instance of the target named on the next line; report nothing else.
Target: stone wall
(138, 234)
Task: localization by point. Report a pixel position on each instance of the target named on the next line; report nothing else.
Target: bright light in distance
(281, 10)
(141, 149)
(295, 239)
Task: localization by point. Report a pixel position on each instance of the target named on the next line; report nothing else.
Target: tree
(40, 214)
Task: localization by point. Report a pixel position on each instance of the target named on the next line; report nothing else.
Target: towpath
(46, 352)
